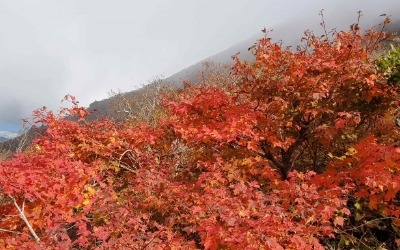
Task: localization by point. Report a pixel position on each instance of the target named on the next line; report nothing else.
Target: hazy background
(87, 48)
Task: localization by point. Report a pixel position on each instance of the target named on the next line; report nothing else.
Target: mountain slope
(289, 32)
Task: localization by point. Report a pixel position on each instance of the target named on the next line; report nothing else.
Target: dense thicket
(294, 150)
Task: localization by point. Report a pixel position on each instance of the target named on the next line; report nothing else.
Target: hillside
(289, 32)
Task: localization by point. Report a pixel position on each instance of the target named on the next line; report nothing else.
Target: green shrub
(389, 64)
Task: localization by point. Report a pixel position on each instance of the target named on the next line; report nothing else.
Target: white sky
(86, 48)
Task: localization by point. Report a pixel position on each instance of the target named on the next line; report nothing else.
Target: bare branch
(124, 166)
(9, 231)
(23, 217)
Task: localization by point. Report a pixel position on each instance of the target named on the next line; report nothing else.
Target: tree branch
(9, 231)
(23, 217)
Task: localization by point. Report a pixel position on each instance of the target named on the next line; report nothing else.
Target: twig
(23, 217)
(9, 231)
(127, 168)
(150, 241)
(323, 25)
(359, 241)
(124, 166)
(368, 222)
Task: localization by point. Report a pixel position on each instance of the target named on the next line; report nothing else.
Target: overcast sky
(87, 48)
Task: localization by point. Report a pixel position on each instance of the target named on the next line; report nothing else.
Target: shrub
(389, 65)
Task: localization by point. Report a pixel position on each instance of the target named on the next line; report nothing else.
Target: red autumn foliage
(286, 156)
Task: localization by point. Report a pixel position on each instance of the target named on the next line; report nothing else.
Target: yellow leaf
(243, 213)
(90, 190)
(85, 202)
(351, 151)
(310, 219)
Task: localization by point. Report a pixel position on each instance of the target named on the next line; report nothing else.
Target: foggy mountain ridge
(193, 73)
(289, 33)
